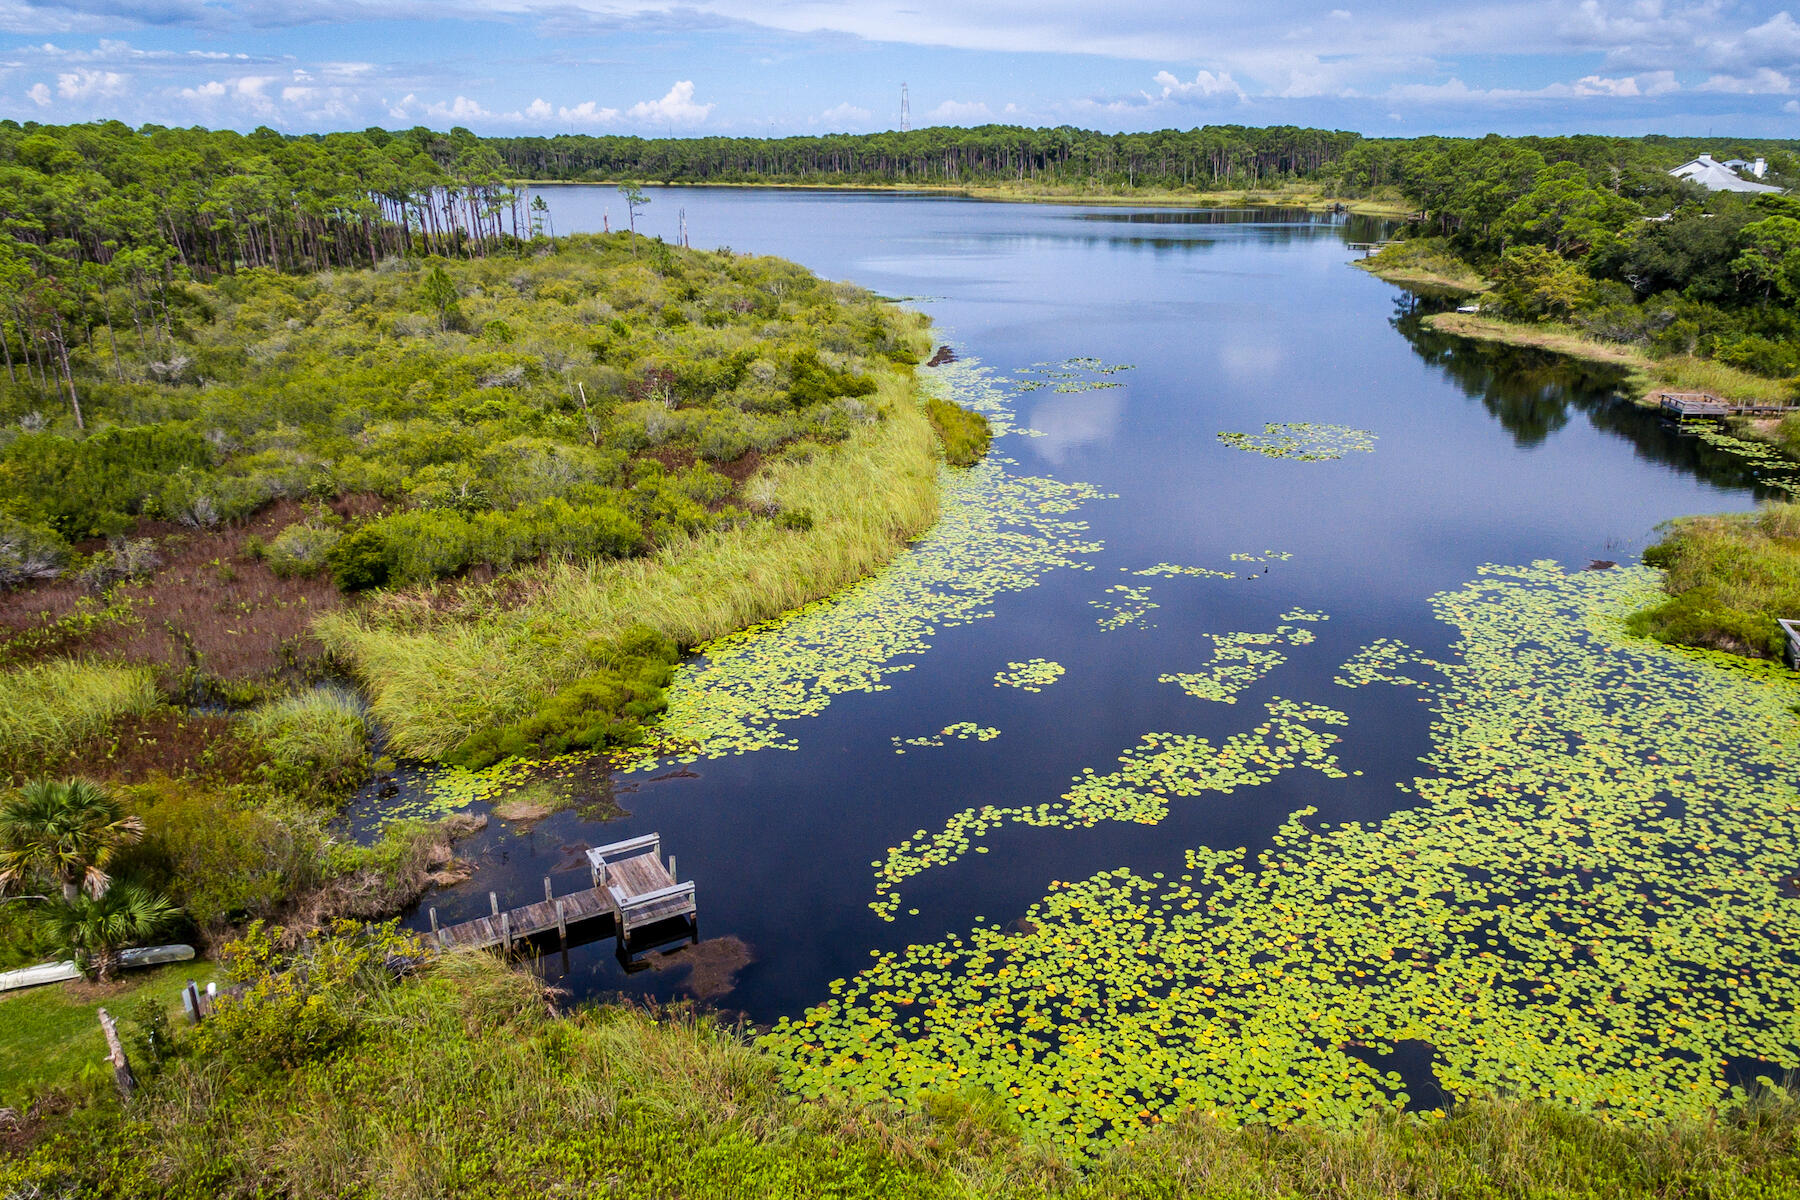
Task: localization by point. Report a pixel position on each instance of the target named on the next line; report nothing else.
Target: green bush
(361, 560)
(298, 1008)
(47, 707)
(300, 550)
(965, 434)
(607, 708)
(29, 550)
(221, 858)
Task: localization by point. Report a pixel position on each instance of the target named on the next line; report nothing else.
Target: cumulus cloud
(212, 89)
(89, 84)
(1764, 81)
(40, 94)
(842, 115)
(959, 112)
(539, 110)
(1204, 84)
(589, 113)
(676, 108)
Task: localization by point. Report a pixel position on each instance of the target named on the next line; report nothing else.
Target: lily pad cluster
(1070, 375)
(960, 731)
(997, 533)
(1163, 765)
(1584, 905)
(1032, 675)
(1171, 571)
(1303, 441)
(1124, 605)
(1240, 660)
(1772, 467)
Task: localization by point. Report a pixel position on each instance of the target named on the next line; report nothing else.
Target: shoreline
(1309, 200)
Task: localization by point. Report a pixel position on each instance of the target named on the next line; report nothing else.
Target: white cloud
(539, 110)
(460, 109)
(1792, 106)
(959, 112)
(1761, 82)
(89, 84)
(1594, 85)
(588, 113)
(676, 108)
(1203, 85)
(842, 116)
(212, 89)
(40, 95)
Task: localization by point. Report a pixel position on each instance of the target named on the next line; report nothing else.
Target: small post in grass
(121, 1065)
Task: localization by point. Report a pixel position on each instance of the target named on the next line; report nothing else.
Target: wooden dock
(642, 890)
(631, 885)
(1682, 405)
(1792, 630)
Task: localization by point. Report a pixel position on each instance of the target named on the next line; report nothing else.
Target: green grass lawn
(52, 1033)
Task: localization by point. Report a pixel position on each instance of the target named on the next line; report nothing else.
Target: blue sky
(740, 67)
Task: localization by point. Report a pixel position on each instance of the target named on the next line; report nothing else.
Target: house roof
(1717, 177)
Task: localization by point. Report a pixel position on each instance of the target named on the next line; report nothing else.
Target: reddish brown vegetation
(211, 611)
(168, 743)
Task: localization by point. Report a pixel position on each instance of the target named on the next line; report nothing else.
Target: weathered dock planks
(630, 884)
(1705, 404)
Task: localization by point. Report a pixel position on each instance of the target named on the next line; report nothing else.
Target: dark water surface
(1230, 320)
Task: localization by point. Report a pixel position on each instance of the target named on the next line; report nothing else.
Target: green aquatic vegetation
(1771, 466)
(1070, 375)
(1032, 675)
(1171, 571)
(960, 731)
(1241, 659)
(1267, 556)
(997, 533)
(1161, 766)
(1127, 606)
(1583, 906)
(1381, 662)
(1729, 580)
(1303, 441)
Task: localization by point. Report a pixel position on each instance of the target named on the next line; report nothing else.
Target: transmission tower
(905, 110)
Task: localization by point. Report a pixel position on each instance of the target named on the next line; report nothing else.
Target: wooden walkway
(631, 885)
(1705, 404)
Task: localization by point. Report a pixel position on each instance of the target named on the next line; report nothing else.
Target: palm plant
(68, 830)
(94, 929)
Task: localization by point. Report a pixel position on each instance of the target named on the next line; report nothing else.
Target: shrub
(607, 708)
(965, 434)
(123, 558)
(300, 550)
(361, 560)
(317, 743)
(298, 1008)
(225, 860)
(29, 550)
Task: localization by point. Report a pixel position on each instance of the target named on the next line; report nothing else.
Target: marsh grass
(466, 1083)
(317, 742)
(965, 434)
(47, 707)
(439, 668)
(1728, 578)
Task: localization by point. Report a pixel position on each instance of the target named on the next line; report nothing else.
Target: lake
(1191, 587)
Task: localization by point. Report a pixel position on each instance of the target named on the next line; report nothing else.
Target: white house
(1719, 177)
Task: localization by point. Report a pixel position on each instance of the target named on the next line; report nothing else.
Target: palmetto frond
(66, 830)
